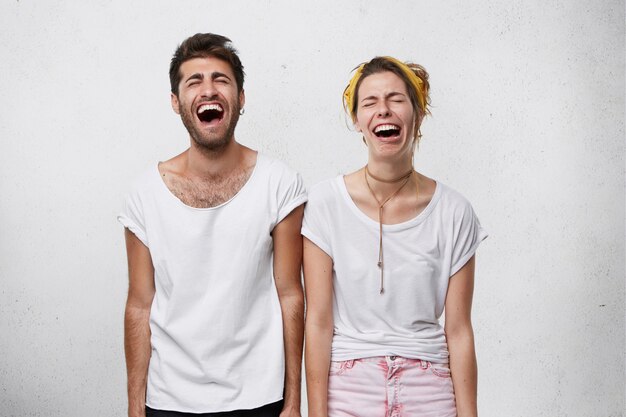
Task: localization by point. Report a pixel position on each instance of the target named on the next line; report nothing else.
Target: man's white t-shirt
(420, 256)
(217, 340)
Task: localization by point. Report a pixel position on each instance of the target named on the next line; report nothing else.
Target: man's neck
(208, 163)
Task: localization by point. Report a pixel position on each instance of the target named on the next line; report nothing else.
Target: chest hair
(207, 192)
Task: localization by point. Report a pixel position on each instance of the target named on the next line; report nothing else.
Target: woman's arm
(318, 283)
(460, 338)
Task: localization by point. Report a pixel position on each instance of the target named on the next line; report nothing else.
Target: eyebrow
(389, 95)
(200, 76)
(217, 74)
(196, 76)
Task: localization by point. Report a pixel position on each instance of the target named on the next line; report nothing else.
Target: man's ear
(175, 103)
(242, 98)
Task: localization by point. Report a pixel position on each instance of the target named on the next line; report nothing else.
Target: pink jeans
(390, 386)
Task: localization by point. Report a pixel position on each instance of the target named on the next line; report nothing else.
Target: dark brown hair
(202, 45)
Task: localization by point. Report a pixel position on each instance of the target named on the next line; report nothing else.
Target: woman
(385, 249)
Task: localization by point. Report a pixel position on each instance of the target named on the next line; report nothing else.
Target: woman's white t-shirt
(421, 255)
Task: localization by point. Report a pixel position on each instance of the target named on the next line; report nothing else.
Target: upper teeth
(385, 127)
(206, 107)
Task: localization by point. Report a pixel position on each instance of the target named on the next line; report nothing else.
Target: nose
(383, 110)
(208, 89)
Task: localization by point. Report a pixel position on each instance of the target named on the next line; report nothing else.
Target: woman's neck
(389, 170)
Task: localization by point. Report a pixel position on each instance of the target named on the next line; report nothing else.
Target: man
(214, 317)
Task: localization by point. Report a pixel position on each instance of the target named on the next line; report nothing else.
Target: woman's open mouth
(387, 130)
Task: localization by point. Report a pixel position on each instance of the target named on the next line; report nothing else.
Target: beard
(211, 141)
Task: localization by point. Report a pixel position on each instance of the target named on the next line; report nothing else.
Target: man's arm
(136, 322)
(460, 338)
(287, 267)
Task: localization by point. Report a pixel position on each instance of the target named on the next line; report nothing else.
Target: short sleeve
(315, 224)
(132, 216)
(291, 194)
(468, 234)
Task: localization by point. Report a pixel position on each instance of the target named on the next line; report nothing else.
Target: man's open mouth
(208, 113)
(387, 130)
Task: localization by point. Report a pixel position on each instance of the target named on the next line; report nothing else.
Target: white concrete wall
(528, 123)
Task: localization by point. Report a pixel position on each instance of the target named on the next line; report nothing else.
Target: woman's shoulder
(325, 190)
(452, 200)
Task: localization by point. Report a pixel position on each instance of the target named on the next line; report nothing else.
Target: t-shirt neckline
(343, 190)
(246, 185)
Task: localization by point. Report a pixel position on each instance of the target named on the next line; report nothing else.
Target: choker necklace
(400, 178)
(405, 179)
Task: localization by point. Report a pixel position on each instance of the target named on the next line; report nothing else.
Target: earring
(363, 139)
(242, 111)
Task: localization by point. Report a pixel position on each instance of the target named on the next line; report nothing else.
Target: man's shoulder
(275, 169)
(282, 183)
(273, 164)
(144, 181)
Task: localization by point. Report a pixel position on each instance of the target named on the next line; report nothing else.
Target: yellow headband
(349, 93)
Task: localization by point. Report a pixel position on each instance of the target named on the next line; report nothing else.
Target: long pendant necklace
(405, 179)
